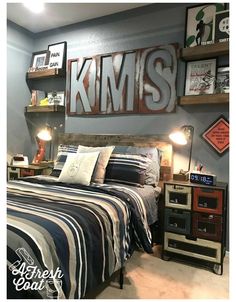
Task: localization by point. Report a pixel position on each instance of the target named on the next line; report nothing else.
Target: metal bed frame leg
(121, 277)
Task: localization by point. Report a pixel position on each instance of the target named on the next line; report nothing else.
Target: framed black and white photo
(222, 80)
(39, 59)
(221, 26)
(200, 77)
(199, 23)
(56, 98)
(57, 58)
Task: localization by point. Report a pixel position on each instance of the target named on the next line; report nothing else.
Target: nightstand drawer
(177, 196)
(199, 248)
(207, 226)
(177, 221)
(13, 173)
(27, 172)
(207, 200)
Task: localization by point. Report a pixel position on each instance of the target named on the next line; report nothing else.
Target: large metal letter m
(117, 83)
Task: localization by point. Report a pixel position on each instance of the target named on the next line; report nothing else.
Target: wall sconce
(42, 137)
(183, 136)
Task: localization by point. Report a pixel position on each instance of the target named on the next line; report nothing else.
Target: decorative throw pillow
(78, 168)
(104, 156)
(127, 169)
(153, 170)
(62, 152)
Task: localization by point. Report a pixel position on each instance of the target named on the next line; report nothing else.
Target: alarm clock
(203, 178)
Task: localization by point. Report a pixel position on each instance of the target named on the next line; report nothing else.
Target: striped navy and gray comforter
(69, 238)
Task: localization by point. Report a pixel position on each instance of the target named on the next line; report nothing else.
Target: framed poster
(199, 23)
(221, 26)
(39, 60)
(57, 56)
(222, 80)
(200, 77)
(217, 135)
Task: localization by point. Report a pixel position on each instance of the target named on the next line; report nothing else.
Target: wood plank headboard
(100, 140)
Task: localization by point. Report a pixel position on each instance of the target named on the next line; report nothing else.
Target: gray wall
(19, 51)
(155, 24)
(152, 25)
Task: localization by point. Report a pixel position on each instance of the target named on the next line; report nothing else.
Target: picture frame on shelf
(221, 27)
(222, 80)
(200, 77)
(57, 57)
(199, 23)
(39, 60)
(56, 98)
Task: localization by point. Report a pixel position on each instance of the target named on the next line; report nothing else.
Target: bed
(66, 238)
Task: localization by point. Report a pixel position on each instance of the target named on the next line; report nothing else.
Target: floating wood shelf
(47, 73)
(204, 51)
(49, 108)
(219, 98)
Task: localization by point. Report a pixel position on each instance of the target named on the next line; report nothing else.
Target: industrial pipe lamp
(183, 136)
(42, 137)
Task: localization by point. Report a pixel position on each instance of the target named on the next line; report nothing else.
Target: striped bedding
(63, 241)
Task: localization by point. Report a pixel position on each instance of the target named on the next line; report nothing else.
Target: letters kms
(139, 81)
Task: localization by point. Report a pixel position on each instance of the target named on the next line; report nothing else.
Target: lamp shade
(178, 137)
(45, 134)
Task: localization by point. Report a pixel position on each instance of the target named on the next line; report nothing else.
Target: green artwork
(199, 27)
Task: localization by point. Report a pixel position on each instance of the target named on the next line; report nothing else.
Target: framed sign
(217, 135)
(200, 77)
(39, 59)
(57, 56)
(199, 23)
(221, 26)
(138, 81)
(56, 98)
(222, 80)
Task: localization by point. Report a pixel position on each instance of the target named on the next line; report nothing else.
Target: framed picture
(56, 98)
(199, 23)
(217, 135)
(39, 59)
(57, 58)
(222, 80)
(200, 77)
(221, 26)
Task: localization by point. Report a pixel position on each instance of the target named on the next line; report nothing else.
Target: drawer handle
(178, 188)
(189, 237)
(202, 230)
(208, 190)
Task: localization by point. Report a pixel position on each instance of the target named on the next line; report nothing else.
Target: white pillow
(78, 168)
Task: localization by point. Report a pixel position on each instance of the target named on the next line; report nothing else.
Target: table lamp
(183, 136)
(42, 137)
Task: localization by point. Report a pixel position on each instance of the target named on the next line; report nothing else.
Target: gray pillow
(103, 158)
(152, 175)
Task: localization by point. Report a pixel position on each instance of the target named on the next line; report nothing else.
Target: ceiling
(60, 14)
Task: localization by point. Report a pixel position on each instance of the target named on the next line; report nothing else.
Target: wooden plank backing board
(99, 140)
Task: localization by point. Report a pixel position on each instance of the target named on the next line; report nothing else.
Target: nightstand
(14, 172)
(195, 223)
